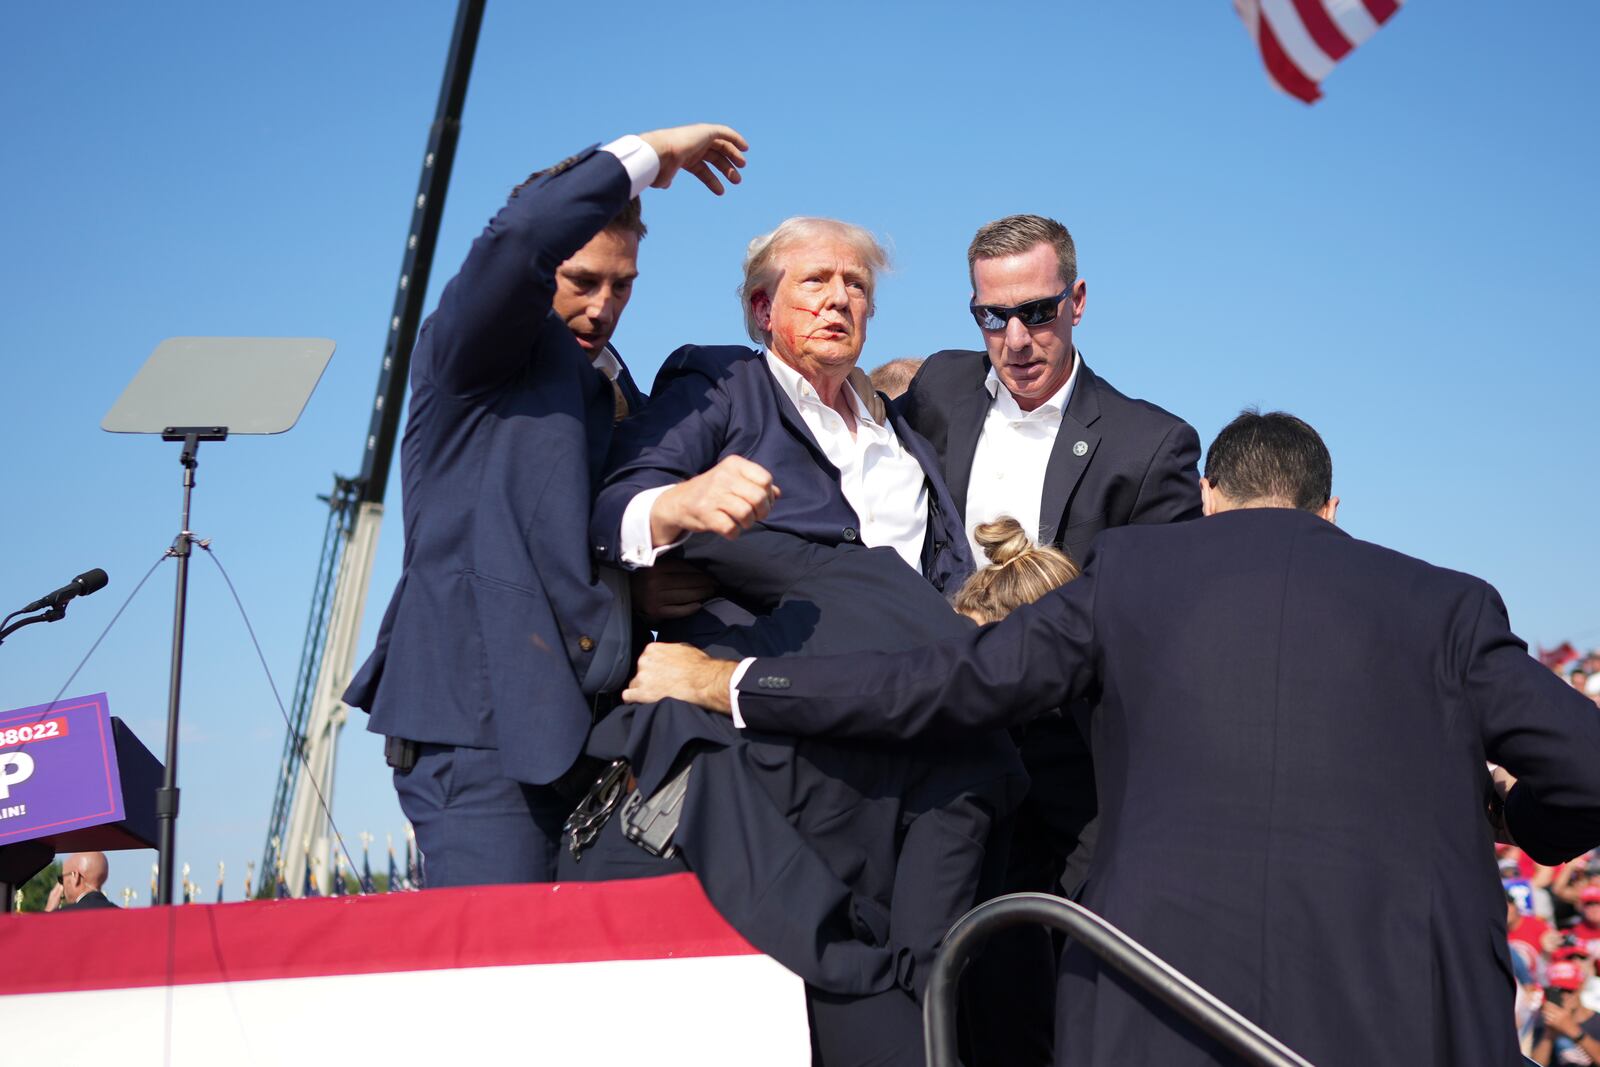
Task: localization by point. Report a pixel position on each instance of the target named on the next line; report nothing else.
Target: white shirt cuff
(635, 549)
(733, 690)
(637, 158)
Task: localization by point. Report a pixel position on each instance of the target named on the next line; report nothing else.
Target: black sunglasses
(1033, 313)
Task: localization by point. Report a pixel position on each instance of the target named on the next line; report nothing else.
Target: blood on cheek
(795, 335)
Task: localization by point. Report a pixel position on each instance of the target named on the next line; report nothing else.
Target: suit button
(586, 643)
(850, 533)
(773, 681)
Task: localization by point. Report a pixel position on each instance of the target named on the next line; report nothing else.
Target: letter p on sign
(15, 768)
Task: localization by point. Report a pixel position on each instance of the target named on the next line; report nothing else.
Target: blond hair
(1019, 571)
(761, 261)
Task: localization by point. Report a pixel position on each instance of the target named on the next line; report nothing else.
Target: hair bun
(1002, 540)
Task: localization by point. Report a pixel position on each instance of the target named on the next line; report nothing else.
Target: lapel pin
(1081, 448)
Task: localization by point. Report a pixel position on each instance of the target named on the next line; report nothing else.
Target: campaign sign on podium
(58, 769)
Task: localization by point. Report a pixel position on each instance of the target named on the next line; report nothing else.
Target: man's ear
(761, 307)
(1330, 509)
(1208, 499)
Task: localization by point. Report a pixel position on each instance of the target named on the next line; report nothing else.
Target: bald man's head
(83, 872)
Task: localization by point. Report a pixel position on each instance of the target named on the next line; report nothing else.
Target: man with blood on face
(791, 435)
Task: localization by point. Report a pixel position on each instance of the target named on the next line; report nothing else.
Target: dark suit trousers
(474, 825)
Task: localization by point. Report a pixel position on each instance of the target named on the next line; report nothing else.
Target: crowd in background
(1553, 925)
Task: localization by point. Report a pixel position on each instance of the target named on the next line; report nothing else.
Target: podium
(73, 778)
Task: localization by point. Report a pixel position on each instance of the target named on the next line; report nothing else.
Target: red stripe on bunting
(1290, 78)
(481, 926)
(1381, 10)
(1323, 30)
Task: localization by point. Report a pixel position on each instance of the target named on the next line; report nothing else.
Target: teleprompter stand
(195, 389)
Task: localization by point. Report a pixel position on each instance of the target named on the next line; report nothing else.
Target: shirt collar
(1053, 407)
(606, 362)
(799, 391)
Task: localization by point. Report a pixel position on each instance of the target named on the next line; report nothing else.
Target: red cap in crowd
(1590, 894)
(1564, 974)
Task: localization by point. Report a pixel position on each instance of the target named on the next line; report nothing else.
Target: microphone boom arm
(53, 614)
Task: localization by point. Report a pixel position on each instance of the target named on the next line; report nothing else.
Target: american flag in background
(1302, 40)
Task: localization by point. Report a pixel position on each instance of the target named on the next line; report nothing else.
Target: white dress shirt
(881, 481)
(637, 158)
(1013, 452)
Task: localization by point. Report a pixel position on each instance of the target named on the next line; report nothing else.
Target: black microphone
(84, 584)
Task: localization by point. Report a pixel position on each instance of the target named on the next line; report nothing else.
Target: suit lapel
(961, 440)
(789, 415)
(1074, 449)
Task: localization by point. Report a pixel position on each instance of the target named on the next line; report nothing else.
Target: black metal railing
(1254, 1046)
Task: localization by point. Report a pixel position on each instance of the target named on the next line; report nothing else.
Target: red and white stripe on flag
(1302, 40)
(646, 970)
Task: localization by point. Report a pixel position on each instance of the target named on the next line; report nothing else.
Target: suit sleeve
(1043, 655)
(1544, 732)
(1170, 491)
(489, 315)
(680, 433)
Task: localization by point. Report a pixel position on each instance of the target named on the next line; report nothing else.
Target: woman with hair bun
(1019, 572)
(1010, 988)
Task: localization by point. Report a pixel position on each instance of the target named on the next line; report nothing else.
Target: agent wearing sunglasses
(1025, 428)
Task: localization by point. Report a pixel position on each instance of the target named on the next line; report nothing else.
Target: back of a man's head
(894, 377)
(1271, 460)
(84, 872)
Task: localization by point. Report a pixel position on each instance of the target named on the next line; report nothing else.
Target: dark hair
(1271, 457)
(629, 220)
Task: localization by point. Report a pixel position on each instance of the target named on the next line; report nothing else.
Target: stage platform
(642, 971)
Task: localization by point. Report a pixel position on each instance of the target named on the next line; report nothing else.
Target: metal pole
(167, 795)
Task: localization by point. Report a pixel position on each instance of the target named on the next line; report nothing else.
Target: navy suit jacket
(1138, 466)
(498, 611)
(846, 862)
(712, 402)
(1138, 463)
(1290, 755)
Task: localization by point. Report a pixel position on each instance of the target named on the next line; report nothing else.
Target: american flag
(1302, 40)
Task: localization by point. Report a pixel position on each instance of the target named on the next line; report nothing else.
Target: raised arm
(488, 319)
(669, 472)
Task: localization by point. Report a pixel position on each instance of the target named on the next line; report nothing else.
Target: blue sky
(1408, 265)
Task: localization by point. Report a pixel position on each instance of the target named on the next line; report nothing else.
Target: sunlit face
(817, 310)
(1032, 362)
(594, 285)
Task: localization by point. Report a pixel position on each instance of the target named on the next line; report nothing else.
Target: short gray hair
(1016, 234)
(761, 260)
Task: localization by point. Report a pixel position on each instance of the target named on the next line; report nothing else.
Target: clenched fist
(727, 500)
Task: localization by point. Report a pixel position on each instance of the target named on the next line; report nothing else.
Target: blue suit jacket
(498, 613)
(847, 863)
(1290, 757)
(712, 402)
